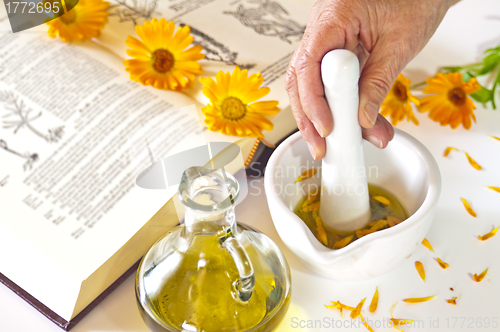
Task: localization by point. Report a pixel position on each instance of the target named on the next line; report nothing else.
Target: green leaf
(466, 76)
(489, 64)
(483, 96)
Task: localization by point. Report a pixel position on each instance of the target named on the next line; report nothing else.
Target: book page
(72, 142)
(258, 35)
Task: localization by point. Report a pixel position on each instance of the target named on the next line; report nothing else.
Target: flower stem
(416, 85)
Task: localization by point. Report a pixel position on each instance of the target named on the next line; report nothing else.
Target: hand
(384, 34)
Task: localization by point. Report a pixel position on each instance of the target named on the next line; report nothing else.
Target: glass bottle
(212, 274)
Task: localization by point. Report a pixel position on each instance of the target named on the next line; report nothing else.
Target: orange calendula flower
(420, 269)
(357, 311)
(343, 242)
(426, 244)
(161, 58)
(468, 208)
(497, 189)
(444, 265)
(374, 303)
(473, 162)
(450, 104)
(234, 108)
(307, 174)
(84, 22)
(448, 150)
(397, 103)
(488, 235)
(452, 301)
(478, 278)
(418, 299)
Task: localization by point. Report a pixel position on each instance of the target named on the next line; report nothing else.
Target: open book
(72, 219)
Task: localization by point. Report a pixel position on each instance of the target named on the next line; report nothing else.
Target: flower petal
(468, 208)
(426, 244)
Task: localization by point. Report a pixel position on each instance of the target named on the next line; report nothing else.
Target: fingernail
(371, 112)
(318, 129)
(312, 150)
(375, 141)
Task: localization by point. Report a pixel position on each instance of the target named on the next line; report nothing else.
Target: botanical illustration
(216, 51)
(269, 18)
(134, 11)
(30, 157)
(19, 116)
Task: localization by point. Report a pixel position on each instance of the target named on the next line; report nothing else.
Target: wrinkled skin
(384, 34)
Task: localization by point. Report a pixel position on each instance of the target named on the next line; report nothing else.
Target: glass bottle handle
(245, 285)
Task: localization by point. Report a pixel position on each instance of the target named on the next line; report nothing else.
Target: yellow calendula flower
(161, 58)
(233, 109)
(397, 103)
(85, 21)
(450, 104)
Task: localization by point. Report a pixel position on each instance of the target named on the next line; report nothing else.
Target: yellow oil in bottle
(198, 294)
(386, 210)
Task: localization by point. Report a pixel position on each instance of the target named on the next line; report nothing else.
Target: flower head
(85, 21)
(397, 102)
(161, 58)
(233, 109)
(450, 104)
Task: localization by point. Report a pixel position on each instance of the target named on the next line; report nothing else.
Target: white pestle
(345, 204)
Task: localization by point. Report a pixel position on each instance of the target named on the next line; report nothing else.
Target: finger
(326, 35)
(315, 142)
(381, 69)
(380, 134)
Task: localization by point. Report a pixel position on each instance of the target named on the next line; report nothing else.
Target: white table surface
(467, 30)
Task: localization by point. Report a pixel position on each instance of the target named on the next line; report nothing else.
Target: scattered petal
(307, 174)
(382, 200)
(321, 230)
(363, 321)
(448, 150)
(391, 309)
(426, 244)
(310, 199)
(468, 208)
(343, 242)
(488, 235)
(391, 221)
(444, 265)
(418, 299)
(498, 139)
(362, 232)
(374, 303)
(357, 311)
(399, 321)
(378, 225)
(452, 301)
(420, 269)
(478, 278)
(497, 189)
(311, 207)
(473, 162)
